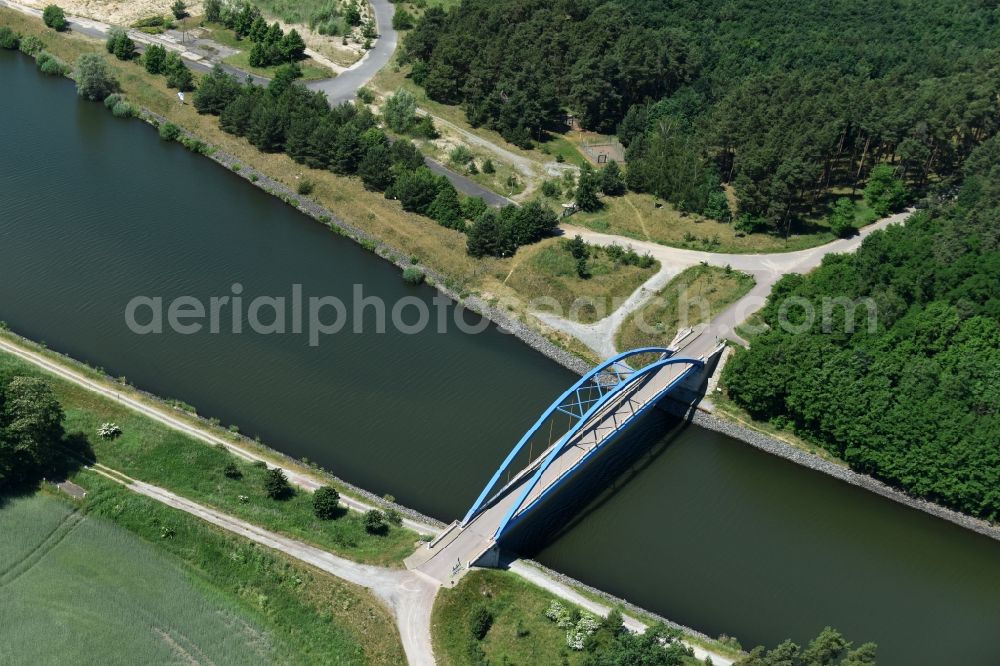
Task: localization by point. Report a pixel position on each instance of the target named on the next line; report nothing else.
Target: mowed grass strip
(137, 582)
(152, 452)
(694, 297)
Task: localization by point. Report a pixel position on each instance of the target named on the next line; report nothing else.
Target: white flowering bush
(109, 430)
(585, 626)
(578, 628)
(560, 615)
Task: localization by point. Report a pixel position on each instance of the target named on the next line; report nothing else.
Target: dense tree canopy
(31, 426)
(915, 399)
(785, 100)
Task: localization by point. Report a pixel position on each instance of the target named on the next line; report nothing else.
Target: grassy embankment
(520, 632)
(643, 217)
(119, 578)
(152, 452)
(415, 236)
(552, 274)
(694, 297)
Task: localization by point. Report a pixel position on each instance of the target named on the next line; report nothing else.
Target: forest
(915, 398)
(791, 102)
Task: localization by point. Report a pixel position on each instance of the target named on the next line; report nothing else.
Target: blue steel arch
(580, 404)
(513, 514)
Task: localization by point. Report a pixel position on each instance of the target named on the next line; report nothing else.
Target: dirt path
(408, 594)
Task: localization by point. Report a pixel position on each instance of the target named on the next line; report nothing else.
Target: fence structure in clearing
(602, 152)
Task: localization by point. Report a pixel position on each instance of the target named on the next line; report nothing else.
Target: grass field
(552, 275)
(78, 588)
(151, 452)
(693, 297)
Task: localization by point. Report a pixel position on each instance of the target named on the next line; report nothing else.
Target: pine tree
(375, 168)
(292, 46)
(446, 210)
(484, 236)
(612, 182)
(586, 189)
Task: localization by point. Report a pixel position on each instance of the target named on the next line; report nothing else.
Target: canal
(95, 211)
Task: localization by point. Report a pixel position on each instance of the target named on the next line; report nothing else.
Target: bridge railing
(576, 403)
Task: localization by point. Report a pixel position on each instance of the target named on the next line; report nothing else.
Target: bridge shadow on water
(600, 480)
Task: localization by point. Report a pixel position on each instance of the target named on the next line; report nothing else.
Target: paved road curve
(344, 87)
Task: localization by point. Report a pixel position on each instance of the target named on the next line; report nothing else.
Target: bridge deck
(468, 543)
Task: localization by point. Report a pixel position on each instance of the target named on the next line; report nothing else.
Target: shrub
(366, 95)
(122, 109)
(109, 431)
(460, 155)
(94, 79)
(9, 39)
(232, 471)
(120, 44)
(393, 517)
(424, 128)
(326, 503)
(488, 166)
(276, 484)
(169, 132)
(195, 145)
(399, 109)
(305, 187)
(413, 275)
(55, 18)
(375, 522)
(551, 189)
(402, 20)
(154, 58)
(179, 9)
(178, 74)
(31, 45)
(480, 621)
(51, 65)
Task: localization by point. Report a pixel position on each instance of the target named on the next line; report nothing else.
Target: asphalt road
(344, 87)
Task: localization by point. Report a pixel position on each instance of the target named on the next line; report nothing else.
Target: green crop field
(79, 589)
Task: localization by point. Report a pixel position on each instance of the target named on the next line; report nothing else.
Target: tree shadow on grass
(66, 458)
